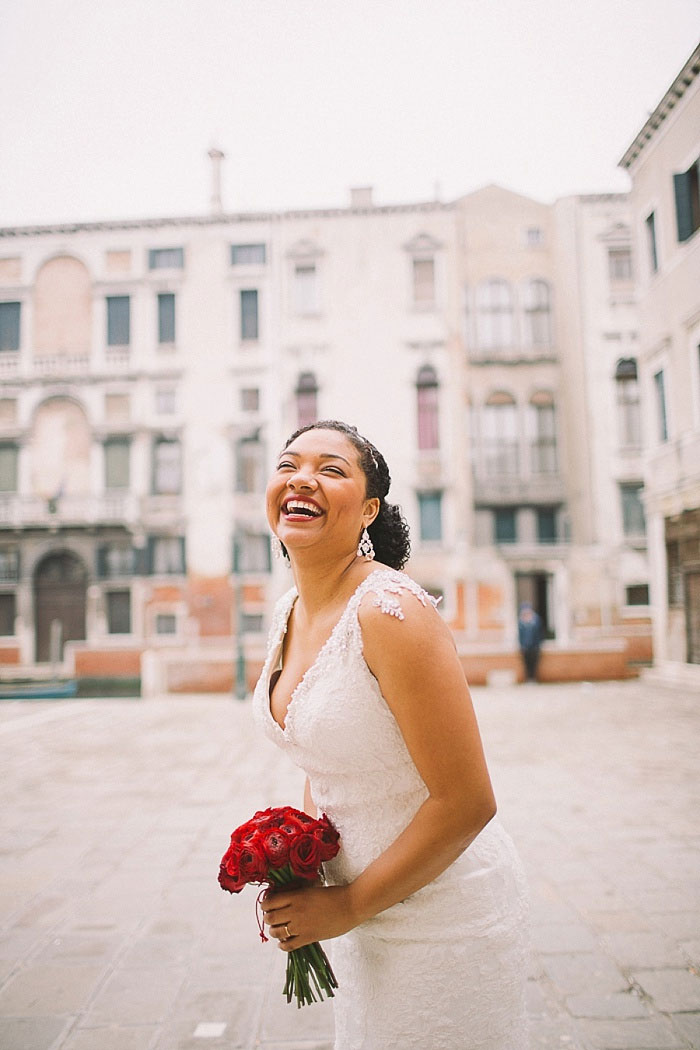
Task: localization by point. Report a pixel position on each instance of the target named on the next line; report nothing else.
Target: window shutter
(101, 562)
(684, 207)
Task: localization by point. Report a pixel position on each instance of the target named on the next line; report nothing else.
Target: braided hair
(389, 530)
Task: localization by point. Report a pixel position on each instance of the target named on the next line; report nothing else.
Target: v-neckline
(276, 652)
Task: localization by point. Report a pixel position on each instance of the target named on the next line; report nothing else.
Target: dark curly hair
(389, 530)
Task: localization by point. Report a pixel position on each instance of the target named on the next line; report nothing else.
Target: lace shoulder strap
(280, 615)
(387, 585)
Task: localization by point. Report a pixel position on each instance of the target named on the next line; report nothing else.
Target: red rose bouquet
(285, 847)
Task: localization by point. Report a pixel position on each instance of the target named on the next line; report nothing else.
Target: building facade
(151, 370)
(664, 165)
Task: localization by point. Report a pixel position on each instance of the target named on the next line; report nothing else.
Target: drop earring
(275, 546)
(365, 548)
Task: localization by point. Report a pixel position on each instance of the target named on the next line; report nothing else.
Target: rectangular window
(687, 193)
(546, 524)
(167, 467)
(637, 594)
(306, 295)
(661, 415)
(423, 282)
(650, 223)
(117, 456)
(504, 525)
(250, 465)
(534, 236)
(249, 314)
(674, 574)
(543, 438)
(500, 439)
(252, 623)
(166, 317)
(250, 399)
(114, 561)
(251, 552)
(9, 326)
(430, 513)
(165, 401)
(633, 521)
(248, 255)
(166, 623)
(8, 468)
(166, 259)
(118, 320)
(7, 614)
(620, 265)
(9, 566)
(118, 612)
(166, 555)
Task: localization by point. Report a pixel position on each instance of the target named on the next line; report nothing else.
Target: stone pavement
(116, 936)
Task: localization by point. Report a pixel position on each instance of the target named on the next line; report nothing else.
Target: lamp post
(240, 682)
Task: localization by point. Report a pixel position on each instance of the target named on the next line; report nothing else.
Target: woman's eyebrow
(321, 455)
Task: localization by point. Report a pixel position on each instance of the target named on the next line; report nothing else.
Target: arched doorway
(60, 597)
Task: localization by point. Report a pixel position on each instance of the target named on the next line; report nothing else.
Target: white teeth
(292, 506)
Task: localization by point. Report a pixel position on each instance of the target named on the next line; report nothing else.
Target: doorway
(536, 588)
(60, 603)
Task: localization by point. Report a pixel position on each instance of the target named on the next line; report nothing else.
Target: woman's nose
(302, 479)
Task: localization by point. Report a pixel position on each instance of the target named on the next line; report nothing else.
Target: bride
(363, 688)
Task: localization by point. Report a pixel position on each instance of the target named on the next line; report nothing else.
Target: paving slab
(673, 991)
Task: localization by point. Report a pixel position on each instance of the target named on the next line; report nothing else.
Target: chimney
(361, 197)
(216, 156)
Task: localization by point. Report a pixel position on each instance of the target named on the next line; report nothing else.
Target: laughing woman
(362, 687)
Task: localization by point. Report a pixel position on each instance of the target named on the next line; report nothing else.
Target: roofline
(674, 94)
(223, 219)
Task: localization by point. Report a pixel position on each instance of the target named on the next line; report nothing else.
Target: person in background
(529, 639)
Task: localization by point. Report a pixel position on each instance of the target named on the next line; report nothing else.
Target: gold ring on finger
(286, 930)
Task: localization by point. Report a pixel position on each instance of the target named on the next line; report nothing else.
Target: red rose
(229, 875)
(327, 838)
(305, 856)
(275, 843)
(252, 862)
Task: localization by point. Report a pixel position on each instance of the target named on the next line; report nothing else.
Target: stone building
(664, 164)
(151, 370)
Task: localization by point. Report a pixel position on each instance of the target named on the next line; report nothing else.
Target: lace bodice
(341, 732)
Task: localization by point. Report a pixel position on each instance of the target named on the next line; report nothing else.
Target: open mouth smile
(300, 510)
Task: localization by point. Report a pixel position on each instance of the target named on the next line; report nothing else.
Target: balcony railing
(27, 511)
(35, 365)
(514, 489)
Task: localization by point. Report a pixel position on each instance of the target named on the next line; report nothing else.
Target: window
(504, 525)
(306, 292)
(546, 518)
(9, 565)
(251, 552)
(494, 315)
(8, 467)
(427, 408)
(166, 623)
(500, 436)
(118, 320)
(118, 612)
(543, 434)
(661, 416)
(117, 408)
(633, 521)
(250, 465)
(117, 453)
(628, 407)
(637, 594)
(423, 282)
(674, 574)
(166, 259)
(7, 613)
(650, 223)
(430, 513)
(252, 623)
(166, 555)
(167, 467)
(250, 399)
(537, 315)
(534, 236)
(9, 326)
(249, 314)
(248, 255)
(114, 561)
(687, 193)
(307, 399)
(166, 400)
(166, 317)
(620, 265)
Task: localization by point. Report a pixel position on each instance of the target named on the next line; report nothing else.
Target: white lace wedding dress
(444, 969)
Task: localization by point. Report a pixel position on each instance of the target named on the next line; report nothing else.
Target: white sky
(108, 107)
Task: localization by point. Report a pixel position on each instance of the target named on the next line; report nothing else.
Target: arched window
(537, 308)
(628, 406)
(542, 433)
(499, 434)
(307, 399)
(494, 315)
(427, 408)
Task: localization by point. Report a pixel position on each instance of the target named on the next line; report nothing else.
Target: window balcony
(512, 489)
(79, 511)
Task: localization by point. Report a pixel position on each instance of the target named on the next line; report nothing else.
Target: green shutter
(684, 205)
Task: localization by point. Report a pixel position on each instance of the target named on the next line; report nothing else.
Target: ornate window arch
(306, 399)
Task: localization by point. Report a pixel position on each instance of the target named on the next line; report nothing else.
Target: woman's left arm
(419, 673)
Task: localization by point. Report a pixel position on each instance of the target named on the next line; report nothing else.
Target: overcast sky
(109, 106)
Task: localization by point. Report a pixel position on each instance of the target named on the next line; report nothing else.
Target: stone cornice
(666, 106)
